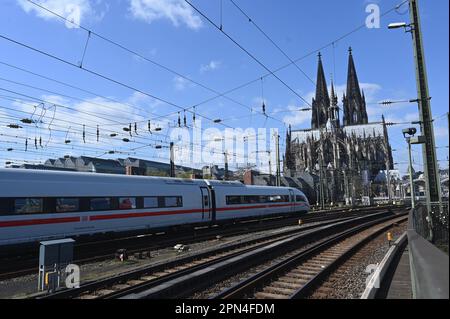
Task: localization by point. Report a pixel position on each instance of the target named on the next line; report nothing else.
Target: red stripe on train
(253, 207)
(32, 222)
(137, 215)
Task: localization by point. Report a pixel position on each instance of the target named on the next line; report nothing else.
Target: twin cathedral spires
(325, 109)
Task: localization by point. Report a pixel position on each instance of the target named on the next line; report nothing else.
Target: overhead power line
(117, 82)
(141, 56)
(247, 52)
(252, 21)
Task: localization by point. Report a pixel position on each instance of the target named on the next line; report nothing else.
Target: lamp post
(411, 177)
(413, 140)
(426, 119)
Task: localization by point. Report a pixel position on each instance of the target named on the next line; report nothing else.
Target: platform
(400, 286)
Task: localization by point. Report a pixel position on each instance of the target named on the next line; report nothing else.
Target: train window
(233, 200)
(127, 203)
(28, 205)
(64, 205)
(173, 201)
(151, 202)
(275, 198)
(300, 198)
(245, 200)
(6, 206)
(101, 203)
(251, 199)
(263, 199)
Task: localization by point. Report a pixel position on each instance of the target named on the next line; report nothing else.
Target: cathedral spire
(352, 77)
(333, 95)
(334, 108)
(354, 102)
(321, 102)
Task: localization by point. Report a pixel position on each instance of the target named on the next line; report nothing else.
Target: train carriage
(38, 205)
(235, 200)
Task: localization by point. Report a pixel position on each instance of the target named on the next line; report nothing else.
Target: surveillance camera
(409, 131)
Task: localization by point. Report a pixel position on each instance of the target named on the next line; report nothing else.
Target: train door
(206, 203)
(292, 200)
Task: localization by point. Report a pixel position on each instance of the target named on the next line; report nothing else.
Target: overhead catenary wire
(247, 83)
(141, 56)
(248, 53)
(117, 82)
(331, 43)
(136, 138)
(215, 121)
(252, 21)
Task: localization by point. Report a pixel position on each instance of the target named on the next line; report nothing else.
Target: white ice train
(37, 205)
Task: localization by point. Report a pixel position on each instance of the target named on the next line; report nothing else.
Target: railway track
(179, 277)
(25, 262)
(311, 273)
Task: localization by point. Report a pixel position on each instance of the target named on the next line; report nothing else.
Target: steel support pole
(277, 141)
(172, 160)
(432, 183)
(225, 154)
(411, 177)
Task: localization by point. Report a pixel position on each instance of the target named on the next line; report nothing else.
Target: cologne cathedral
(344, 156)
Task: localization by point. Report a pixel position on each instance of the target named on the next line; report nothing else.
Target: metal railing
(433, 226)
(429, 265)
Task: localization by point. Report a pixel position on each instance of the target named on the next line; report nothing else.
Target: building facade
(345, 154)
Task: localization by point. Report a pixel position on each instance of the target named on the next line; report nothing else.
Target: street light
(397, 25)
(410, 132)
(409, 136)
(429, 150)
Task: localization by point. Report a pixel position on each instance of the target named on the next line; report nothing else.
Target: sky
(79, 79)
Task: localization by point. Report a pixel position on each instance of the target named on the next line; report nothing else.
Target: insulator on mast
(193, 116)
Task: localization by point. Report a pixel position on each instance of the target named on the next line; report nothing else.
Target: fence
(429, 265)
(433, 226)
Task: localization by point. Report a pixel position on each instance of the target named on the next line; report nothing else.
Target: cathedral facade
(345, 155)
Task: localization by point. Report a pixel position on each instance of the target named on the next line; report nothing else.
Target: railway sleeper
(287, 285)
(265, 295)
(288, 279)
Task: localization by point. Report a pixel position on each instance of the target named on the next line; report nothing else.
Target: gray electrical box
(54, 256)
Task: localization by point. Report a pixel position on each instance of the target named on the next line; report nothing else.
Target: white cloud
(297, 117)
(73, 10)
(211, 66)
(441, 132)
(177, 11)
(180, 83)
